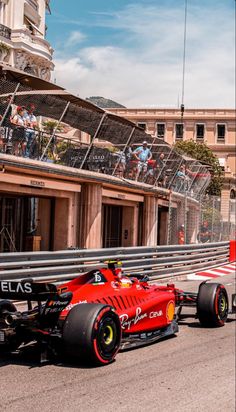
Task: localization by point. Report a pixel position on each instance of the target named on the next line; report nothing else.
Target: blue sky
(132, 51)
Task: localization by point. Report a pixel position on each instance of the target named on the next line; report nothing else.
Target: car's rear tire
(212, 304)
(13, 344)
(6, 306)
(92, 332)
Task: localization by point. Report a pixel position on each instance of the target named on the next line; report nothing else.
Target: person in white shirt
(31, 123)
(18, 135)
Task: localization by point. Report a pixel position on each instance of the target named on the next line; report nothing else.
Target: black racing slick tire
(7, 306)
(212, 304)
(92, 332)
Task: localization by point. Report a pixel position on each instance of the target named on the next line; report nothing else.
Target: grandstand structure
(71, 193)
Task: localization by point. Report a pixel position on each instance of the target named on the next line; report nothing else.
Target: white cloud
(146, 68)
(75, 38)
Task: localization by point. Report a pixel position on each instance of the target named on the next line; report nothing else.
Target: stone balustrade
(5, 32)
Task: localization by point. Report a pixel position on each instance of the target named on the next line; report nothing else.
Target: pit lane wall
(157, 262)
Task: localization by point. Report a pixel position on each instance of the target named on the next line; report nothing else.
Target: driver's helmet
(125, 282)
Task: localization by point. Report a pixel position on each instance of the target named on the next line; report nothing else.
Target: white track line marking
(206, 274)
(226, 269)
(214, 272)
(197, 277)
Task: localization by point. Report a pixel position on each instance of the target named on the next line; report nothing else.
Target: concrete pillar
(169, 132)
(130, 226)
(61, 224)
(225, 197)
(66, 222)
(91, 216)
(2, 6)
(181, 213)
(44, 224)
(73, 228)
(163, 226)
(150, 218)
(17, 9)
(192, 224)
(41, 11)
(210, 133)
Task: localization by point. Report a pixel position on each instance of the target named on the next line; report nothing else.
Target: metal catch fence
(36, 123)
(210, 221)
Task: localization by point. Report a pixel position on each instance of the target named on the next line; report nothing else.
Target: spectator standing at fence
(160, 169)
(204, 234)
(181, 235)
(120, 163)
(18, 135)
(129, 153)
(130, 162)
(142, 154)
(31, 123)
(151, 172)
(180, 179)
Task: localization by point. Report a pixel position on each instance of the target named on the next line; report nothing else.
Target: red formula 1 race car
(101, 312)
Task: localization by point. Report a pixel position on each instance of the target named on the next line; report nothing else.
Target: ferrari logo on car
(170, 311)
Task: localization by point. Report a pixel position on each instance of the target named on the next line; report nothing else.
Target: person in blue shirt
(142, 154)
(182, 180)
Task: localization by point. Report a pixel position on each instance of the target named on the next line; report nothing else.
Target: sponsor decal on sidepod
(127, 323)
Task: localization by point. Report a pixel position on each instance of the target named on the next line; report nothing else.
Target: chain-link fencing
(205, 220)
(114, 145)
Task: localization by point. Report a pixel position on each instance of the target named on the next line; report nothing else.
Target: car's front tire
(212, 304)
(92, 332)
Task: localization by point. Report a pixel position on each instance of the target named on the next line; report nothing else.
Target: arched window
(232, 194)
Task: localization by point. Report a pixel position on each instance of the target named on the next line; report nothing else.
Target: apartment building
(215, 127)
(22, 37)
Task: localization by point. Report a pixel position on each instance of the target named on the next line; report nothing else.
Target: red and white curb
(213, 273)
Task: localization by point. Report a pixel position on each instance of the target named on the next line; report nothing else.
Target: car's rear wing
(27, 290)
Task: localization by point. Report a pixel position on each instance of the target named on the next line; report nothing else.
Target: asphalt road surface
(194, 371)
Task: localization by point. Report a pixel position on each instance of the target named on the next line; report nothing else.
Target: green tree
(201, 152)
(49, 126)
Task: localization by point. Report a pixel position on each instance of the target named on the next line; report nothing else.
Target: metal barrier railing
(158, 262)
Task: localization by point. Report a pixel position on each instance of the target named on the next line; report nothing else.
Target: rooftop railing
(165, 169)
(34, 4)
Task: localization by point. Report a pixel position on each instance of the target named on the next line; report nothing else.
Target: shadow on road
(196, 324)
(29, 356)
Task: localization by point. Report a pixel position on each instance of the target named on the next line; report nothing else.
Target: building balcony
(31, 43)
(33, 4)
(5, 32)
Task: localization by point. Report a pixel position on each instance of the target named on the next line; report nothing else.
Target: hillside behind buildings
(104, 103)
